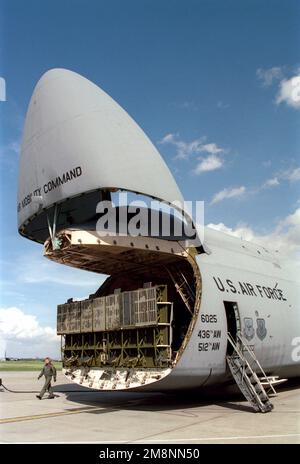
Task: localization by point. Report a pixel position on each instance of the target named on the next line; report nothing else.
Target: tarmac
(85, 416)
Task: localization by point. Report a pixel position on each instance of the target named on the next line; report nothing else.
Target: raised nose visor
(77, 140)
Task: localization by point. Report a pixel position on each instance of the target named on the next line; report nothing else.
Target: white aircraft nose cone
(73, 124)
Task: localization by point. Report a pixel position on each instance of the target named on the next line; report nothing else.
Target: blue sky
(208, 81)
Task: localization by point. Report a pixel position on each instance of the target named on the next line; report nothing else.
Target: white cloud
(211, 148)
(285, 237)
(2, 347)
(34, 268)
(80, 298)
(289, 92)
(185, 149)
(221, 105)
(12, 147)
(168, 138)
(228, 193)
(22, 335)
(268, 76)
(271, 182)
(288, 87)
(9, 155)
(292, 175)
(267, 163)
(187, 105)
(244, 232)
(210, 163)
(291, 220)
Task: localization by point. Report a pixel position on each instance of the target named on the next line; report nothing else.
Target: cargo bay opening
(134, 328)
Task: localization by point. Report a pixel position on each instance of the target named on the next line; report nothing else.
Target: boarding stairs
(243, 363)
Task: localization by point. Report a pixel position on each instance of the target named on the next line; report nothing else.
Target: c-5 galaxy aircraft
(173, 313)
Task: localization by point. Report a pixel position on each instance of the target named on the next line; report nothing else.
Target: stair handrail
(252, 354)
(239, 353)
(246, 363)
(236, 348)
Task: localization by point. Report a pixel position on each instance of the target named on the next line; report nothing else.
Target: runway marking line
(176, 440)
(221, 438)
(47, 415)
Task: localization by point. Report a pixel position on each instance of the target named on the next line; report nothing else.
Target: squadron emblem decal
(261, 330)
(249, 331)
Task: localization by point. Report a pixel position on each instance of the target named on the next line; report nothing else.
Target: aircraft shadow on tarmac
(182, 402)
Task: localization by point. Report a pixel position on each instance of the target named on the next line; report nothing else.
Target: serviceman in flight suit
(48, 371)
